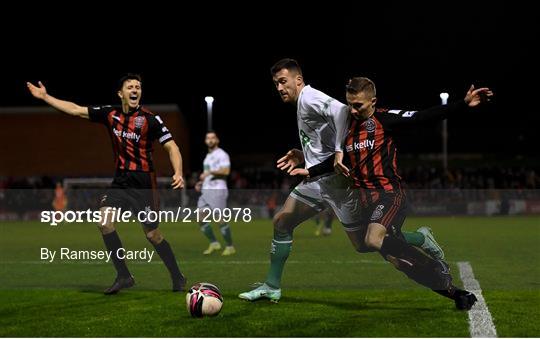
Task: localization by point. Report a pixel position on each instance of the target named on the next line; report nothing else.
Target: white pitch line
(480, 320)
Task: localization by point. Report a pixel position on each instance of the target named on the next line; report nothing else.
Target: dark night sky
(412, 52)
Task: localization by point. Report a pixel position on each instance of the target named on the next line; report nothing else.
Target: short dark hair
(361, 84)
(212, 131)
(128, 76)
(287, 63)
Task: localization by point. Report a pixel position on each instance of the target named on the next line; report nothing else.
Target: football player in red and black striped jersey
(132, 129)
(371, 150)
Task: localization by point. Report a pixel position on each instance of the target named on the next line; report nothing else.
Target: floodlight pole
(209, 103)
(444, 100)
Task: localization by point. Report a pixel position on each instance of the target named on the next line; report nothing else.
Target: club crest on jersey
(304, 138)
(139, 122)
(377, 214)
(370, 125)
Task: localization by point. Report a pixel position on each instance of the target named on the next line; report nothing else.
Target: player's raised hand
(39, 91)
(474, 97)
(177, 181)
(339, 168)
(292, 159)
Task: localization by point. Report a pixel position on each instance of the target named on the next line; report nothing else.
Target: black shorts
(386, 208)
(135, 191)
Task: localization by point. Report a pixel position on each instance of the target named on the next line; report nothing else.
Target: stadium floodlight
(209, 102)
(444, 97)
(444, 100)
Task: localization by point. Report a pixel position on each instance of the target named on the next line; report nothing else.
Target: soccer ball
(204, 299)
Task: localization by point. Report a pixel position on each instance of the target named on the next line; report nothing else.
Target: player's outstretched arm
(473, 98)
(176, 162)
(40, 92)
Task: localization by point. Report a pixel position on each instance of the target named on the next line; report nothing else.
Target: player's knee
(374, 240)
(282, 223)
(278, 220)
(105, 224)
(154, 236)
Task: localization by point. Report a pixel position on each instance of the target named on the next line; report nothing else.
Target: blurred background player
(60, 201)
(132, 129)
(323, 222)
(214, 193)
(271, 204)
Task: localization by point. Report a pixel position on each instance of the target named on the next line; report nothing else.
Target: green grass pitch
(328, 289)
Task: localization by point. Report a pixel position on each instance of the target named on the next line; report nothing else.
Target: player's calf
(436, 277)
(434, 274)
(113, 244)
(164, 250)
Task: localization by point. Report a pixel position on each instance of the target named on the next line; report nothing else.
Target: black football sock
(166, 254)
(400, 249)
(417, 266)
(113, 243)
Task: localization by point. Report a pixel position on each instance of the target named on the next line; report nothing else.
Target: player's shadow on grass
(357, 305)
(126, 294)
(243, 308)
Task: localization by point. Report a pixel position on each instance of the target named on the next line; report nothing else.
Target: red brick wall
(42, 141)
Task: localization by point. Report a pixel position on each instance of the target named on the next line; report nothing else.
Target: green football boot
(263, 291)
(430, 246)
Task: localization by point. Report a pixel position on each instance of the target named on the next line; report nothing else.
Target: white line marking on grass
(480, 321)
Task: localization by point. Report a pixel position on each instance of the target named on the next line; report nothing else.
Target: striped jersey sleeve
(99, 114)
(392, 118)
(158, 130)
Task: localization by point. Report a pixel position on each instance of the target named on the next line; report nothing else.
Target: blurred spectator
(271, 204)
